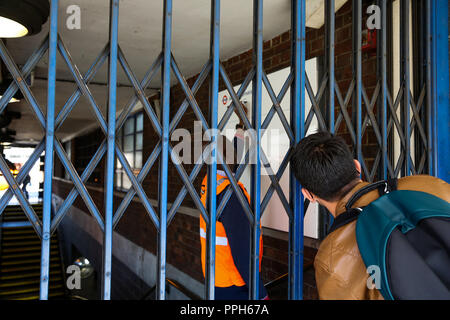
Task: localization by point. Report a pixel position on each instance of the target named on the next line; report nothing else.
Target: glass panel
(130, 158)
(128, 143)
(68, 148)
(139, 141)
(129, 126)
(126, 182)
(140, 122)
(119, 139)
(138, 163)
(118, 180)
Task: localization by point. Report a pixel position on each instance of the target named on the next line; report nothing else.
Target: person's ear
(308, 195)
(358, 166)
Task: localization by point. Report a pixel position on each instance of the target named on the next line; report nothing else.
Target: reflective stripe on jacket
(226, 272)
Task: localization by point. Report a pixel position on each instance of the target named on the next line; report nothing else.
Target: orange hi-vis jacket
(226, 274)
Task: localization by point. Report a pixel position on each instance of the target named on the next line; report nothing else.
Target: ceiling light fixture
(11, 28)
(12, 99)
(19, 18)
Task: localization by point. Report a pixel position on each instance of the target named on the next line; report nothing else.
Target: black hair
(323, 164)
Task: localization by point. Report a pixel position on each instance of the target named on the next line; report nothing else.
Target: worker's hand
(241, 121)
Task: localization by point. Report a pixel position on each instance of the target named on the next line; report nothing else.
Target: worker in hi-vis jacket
(233, 232)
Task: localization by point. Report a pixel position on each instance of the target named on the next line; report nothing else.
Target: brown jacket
(340, 270)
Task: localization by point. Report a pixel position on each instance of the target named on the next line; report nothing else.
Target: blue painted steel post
(440, 89)
(405, 72)
(164, 160)
(429, 101)
(357, 72)
(297, 123)
(330, 23)
(384, 87)
(49, 141)
(256, 123)
(212, 168)
(110, 152)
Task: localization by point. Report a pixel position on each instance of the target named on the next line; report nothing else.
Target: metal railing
(175, 284)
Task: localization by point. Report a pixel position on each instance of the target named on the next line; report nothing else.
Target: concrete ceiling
(140, 33)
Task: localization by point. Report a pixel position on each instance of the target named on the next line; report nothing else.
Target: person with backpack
(389, 240)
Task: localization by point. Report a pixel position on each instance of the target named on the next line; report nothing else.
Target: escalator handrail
(177, 286)
(285, 276)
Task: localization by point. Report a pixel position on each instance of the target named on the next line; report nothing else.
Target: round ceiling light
(19, 18)
(11, 28)
(12, 99)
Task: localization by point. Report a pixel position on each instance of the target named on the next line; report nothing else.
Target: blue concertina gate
(424, 117)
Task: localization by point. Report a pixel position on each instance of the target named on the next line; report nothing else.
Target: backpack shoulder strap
(345, 218)
(352, 214)
(383, 187)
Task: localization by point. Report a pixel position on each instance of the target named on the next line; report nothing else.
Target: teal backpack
(405, 235)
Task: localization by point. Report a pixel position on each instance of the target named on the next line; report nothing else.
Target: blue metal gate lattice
(389, 114)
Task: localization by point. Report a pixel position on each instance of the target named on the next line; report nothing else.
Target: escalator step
(20, 260)
(28, 289)
(19, 211)
(35, 296)
(18, 231)
(27, 281)
(23, 268)
(19, 237)
(23, 243)
(23, 238)
(7, 264)
(6, 257)
(28, 249)
(18, 218)
(26, 275)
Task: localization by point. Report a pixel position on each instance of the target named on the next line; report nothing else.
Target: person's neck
(333, 205)
(330, 205)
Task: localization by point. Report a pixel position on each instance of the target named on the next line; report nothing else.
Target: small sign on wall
(275, 144)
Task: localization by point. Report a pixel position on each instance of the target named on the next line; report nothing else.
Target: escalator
(20, 259)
